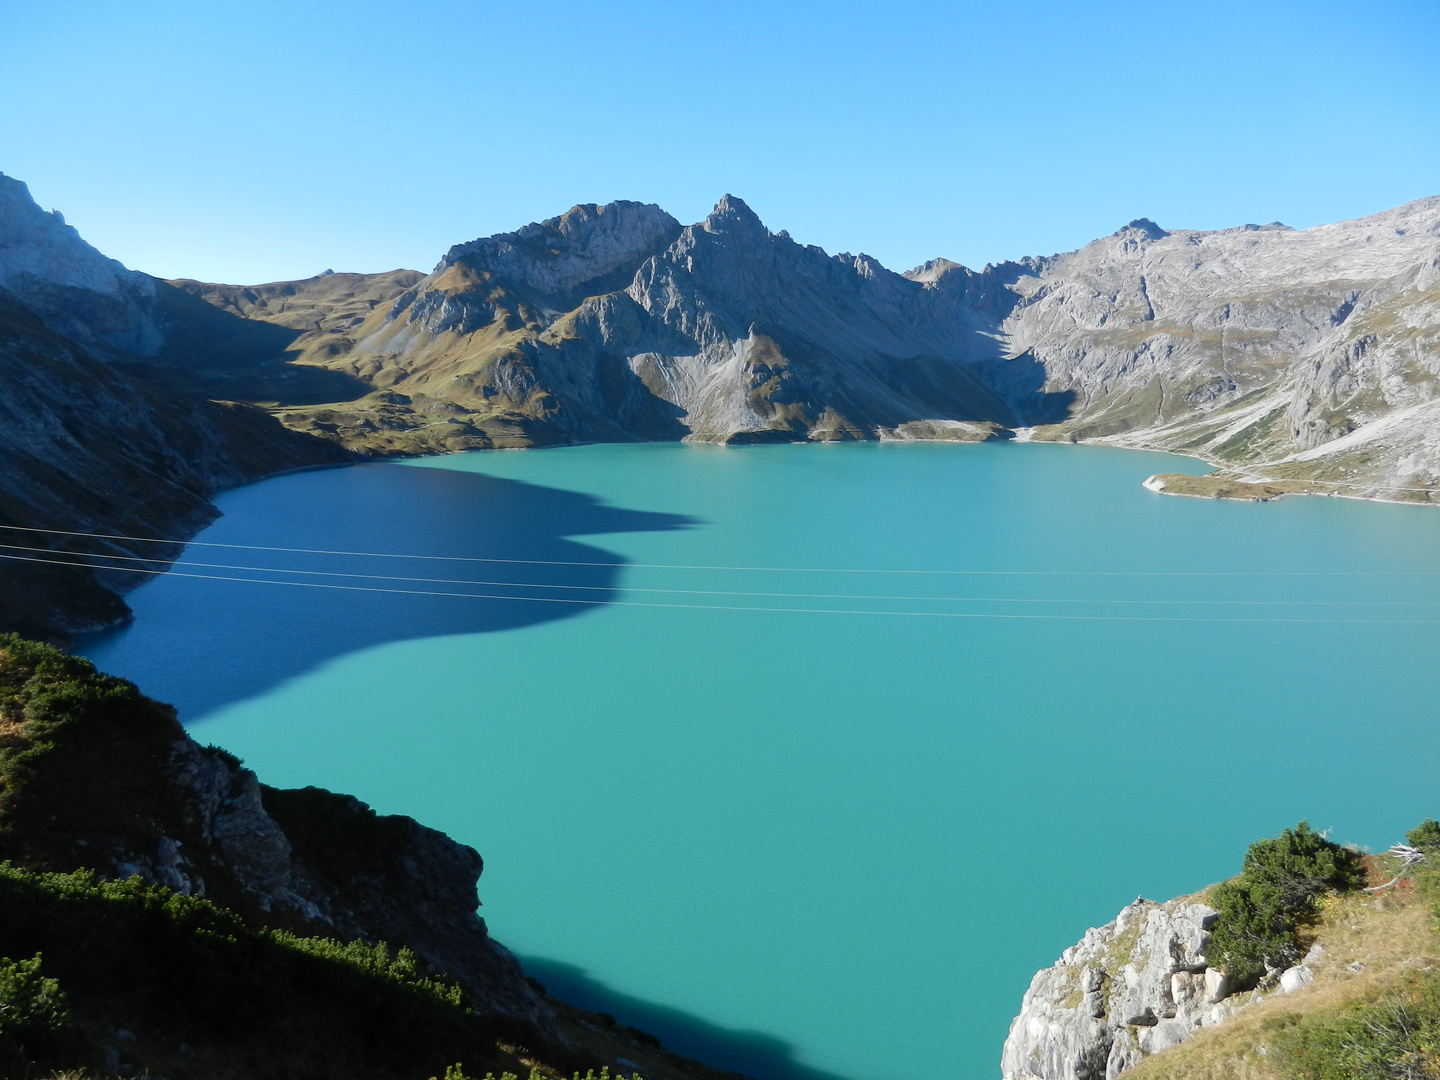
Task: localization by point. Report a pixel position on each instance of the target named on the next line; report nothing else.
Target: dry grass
(1220, 486)
(1386, 936)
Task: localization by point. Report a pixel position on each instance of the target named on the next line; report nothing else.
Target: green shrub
(31, 1006)
(43, 691)
(1280, 884)
(1424, 836)
(1253, 931)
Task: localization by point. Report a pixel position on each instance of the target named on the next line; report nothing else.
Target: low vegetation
(43, 691)
(32, 1007)
(1391, 1035)
(193, 975)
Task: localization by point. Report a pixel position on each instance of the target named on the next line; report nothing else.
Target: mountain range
(1302, 361)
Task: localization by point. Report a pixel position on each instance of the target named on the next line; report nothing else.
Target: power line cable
(751, 608)
(701, 592)
(742, 569)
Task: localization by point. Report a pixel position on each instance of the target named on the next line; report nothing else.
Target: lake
(805, 758)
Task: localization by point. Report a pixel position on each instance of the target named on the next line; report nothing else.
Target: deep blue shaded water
(797, 841)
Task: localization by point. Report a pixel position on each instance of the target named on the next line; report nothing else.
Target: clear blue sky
(268, 140)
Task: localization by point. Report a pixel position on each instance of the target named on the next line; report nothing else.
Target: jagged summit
(733, 214)
(38, 248)
(1146, 227)
(556, 263)
(931, 270)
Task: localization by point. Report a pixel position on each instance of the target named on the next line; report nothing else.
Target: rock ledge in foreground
(1131, 988)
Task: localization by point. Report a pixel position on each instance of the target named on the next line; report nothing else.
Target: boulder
(1292, 979)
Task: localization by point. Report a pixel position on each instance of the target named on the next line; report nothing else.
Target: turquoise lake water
(804, 843)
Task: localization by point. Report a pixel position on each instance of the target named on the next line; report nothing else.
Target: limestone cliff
(1142, 985)
(1136, 986)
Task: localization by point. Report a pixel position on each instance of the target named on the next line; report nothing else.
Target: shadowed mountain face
(101, 425)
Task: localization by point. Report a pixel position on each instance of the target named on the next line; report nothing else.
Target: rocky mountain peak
(1147, 228)
(588, 250)
(38, 248)
(931, 270)
(732, 215)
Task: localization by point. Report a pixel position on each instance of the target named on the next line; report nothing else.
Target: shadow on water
(753, 1053)
(203, 642)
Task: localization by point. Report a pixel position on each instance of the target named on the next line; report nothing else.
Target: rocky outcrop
(1131, 988)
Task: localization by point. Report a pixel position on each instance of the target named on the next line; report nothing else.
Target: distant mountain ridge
(1308, 358)
(1293, 360)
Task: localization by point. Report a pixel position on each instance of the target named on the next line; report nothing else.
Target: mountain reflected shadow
(752, 1053)
(477, 554)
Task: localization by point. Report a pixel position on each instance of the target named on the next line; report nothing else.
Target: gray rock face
(1311, 354)
(1292, 979)
(1129, 989)
(559, 262)
(45, 264)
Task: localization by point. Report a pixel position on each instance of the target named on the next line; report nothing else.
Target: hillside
(231, 929)
(113, 417)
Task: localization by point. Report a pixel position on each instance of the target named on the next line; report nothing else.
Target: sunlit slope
(614, 323)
